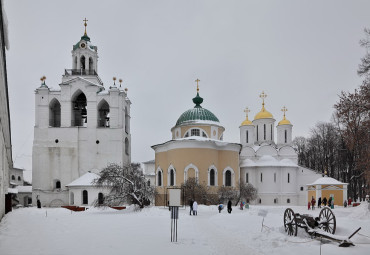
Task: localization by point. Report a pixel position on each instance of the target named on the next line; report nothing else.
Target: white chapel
(80, 127)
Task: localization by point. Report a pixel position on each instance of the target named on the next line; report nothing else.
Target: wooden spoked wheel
(327, 220)
(290, 222)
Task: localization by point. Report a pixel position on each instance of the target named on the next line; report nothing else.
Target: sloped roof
(326, 181)
(85, 180)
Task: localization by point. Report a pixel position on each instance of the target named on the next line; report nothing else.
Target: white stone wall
(270, 131)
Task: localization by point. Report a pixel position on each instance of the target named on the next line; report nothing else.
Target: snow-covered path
(30, 231)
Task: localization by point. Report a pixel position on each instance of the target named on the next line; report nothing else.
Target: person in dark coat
(229, 209)
(324, 201)
(38, 203)
(319, 203)
(329, 201)
(191, 206)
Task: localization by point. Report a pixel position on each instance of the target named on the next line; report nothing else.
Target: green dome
(197, 113)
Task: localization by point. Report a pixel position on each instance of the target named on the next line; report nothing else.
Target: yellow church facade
(197, 150)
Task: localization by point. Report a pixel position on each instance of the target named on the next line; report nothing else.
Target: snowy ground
(58, 231)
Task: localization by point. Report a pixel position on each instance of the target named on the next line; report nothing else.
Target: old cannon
(323, 226)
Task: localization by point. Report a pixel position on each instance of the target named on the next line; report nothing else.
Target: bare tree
(126, 184)
(227, 193)
(198, 192)
(247, 192)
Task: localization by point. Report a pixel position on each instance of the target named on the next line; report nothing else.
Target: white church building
(272, 167)
(80, 127)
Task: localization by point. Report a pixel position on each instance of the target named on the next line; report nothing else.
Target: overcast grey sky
(301, 53)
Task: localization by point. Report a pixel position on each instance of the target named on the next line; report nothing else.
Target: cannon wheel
(290, 222)
(327, 220)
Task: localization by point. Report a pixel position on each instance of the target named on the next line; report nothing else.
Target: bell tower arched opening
(54, 113)
(79, 112)
(103, 114)
(82, 63)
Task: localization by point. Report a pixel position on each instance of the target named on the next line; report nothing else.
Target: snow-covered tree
(126, 184)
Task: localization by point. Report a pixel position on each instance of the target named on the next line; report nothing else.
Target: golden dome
(246, 122)
(284, 121)
(263, 114)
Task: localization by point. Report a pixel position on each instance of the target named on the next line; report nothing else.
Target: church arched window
(159, 178)
(286, 136)
(261, 177)
(228, 178)
(246, 137)
(172, 178)
(100, 198)
(85, 197)
(127, 146)
(264, 131)
(57, 184)
(212, 177)
(247, 178)
(13, 177)
(103, 114)
(79, 112)
(288, 177)
(257, 133)
(19, 178)
(54, 113)
(271, 132)
(274, 177)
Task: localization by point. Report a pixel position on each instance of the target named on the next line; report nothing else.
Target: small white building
(24, 195)
(83, 192)
(79, 127)
(272, 167)
(149, 171)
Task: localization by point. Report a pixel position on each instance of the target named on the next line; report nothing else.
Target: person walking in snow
(229, 209)
(191, 203)
(309, 205)
(195, 208)
(324, 201)
(319, 203)
(313, 202)
(220, 207)
(329, 201)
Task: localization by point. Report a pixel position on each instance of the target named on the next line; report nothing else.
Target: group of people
(324, 201)
(193, 207)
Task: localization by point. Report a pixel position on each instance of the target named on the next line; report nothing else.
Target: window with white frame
(212, 177)
(195, 132)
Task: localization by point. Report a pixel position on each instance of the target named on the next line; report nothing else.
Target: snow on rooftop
(85, 180)
(24, 189)
(326, 181)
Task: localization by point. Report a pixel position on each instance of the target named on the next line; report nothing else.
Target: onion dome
(284, 121)
(247, 122)
(263, 114)
(198, 113)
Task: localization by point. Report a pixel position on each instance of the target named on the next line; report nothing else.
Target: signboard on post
(175, 197)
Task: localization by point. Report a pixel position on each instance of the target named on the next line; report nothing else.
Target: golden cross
(197, 80)
(284, 109)
(247, 111)
(85, 25)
